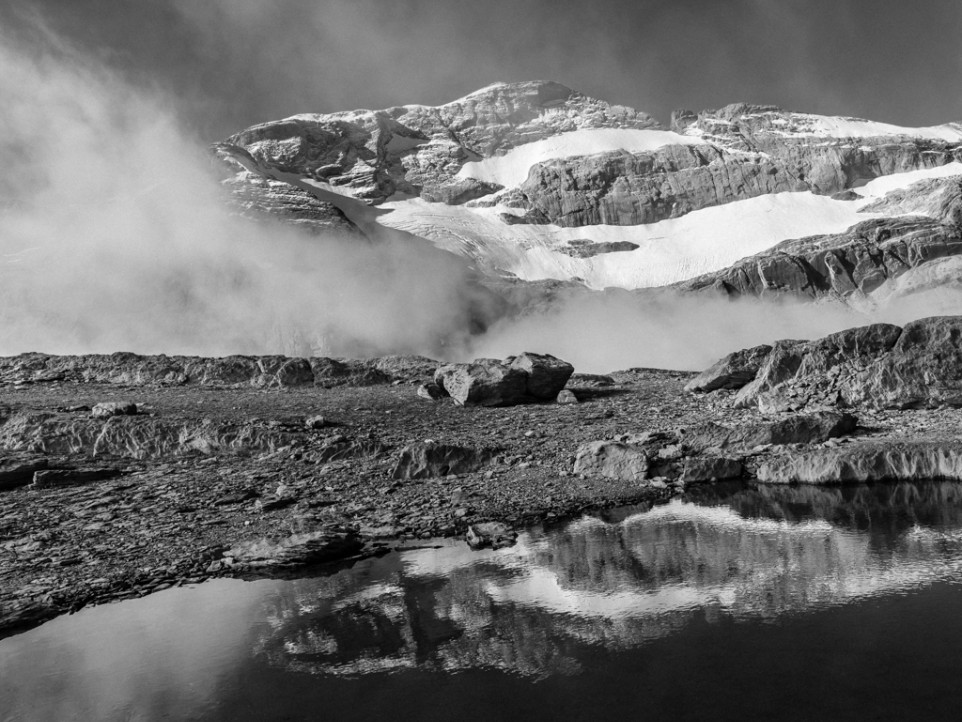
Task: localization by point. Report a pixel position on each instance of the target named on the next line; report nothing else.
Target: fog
(115, 236)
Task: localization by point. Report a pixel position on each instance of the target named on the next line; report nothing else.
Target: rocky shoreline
(123, 475)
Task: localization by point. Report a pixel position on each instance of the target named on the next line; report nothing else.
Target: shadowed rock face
(418, 149)
(877, 366)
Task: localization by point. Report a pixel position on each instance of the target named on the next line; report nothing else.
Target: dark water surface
(738, 603)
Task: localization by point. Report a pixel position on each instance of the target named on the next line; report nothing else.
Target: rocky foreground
(122, 475)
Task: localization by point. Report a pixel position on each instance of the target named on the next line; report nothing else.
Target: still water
(736, 603)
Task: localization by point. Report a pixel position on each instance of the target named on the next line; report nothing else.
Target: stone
(486, 382)
(711, 468)
(490, 534)
(53, 478)
(566, 396)
(430, 391)
(106, 409)
(731, 372)
(612, 460)
(19, 472)
(431, 460)
(546, 374)
(866, 463)
(296, 550)
(809, 428)
(317, 422)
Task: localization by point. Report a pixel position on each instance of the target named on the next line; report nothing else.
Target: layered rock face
(418, 149)
(861, 261)
(877, 366)
(506, 174)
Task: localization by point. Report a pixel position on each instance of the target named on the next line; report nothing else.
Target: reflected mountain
(618, 581)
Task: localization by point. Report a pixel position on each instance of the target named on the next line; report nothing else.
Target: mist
(115, 235)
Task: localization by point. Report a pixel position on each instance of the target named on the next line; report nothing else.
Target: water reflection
(743, 553)
(536, 610)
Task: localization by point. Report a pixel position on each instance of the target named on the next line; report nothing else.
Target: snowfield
(512, 168)
(668, 251)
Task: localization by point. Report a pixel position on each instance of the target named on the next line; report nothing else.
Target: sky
(227, 64)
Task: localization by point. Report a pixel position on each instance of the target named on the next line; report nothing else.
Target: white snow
(877, 188)
(827, 126)
(669, 251)
(512, 168)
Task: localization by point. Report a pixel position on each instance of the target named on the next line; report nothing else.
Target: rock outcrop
(909, 461)
(862, 261)
(876, 366)
(257, 371)
(418, 150)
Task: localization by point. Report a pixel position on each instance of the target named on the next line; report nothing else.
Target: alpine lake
(733, 602)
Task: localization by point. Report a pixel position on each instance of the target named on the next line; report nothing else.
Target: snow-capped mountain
(536, 181)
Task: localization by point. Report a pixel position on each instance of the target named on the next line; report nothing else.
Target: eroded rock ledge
(878, 366)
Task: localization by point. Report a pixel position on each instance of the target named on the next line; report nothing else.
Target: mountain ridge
(537, 181)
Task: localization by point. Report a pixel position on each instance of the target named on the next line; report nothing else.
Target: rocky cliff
(515, 175)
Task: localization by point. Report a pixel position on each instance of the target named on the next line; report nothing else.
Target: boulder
(486, 382)
(429, 460)
(106, 409)
(546, 375)
(490, 534)
(731, 372)
(612, 460)
(566, 396)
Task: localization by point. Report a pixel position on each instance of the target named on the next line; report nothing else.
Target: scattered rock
(317, 422)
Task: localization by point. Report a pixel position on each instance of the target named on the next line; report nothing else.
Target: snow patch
(512, 168)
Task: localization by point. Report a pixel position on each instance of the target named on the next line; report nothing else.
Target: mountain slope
(537, 181)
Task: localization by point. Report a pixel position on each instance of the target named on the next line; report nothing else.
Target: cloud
(116, 236)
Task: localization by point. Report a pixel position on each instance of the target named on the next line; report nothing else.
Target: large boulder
(731, 372)
(612, 460)
(485, 382)
(546, 375)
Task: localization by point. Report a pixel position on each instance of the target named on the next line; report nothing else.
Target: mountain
(536, 181)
